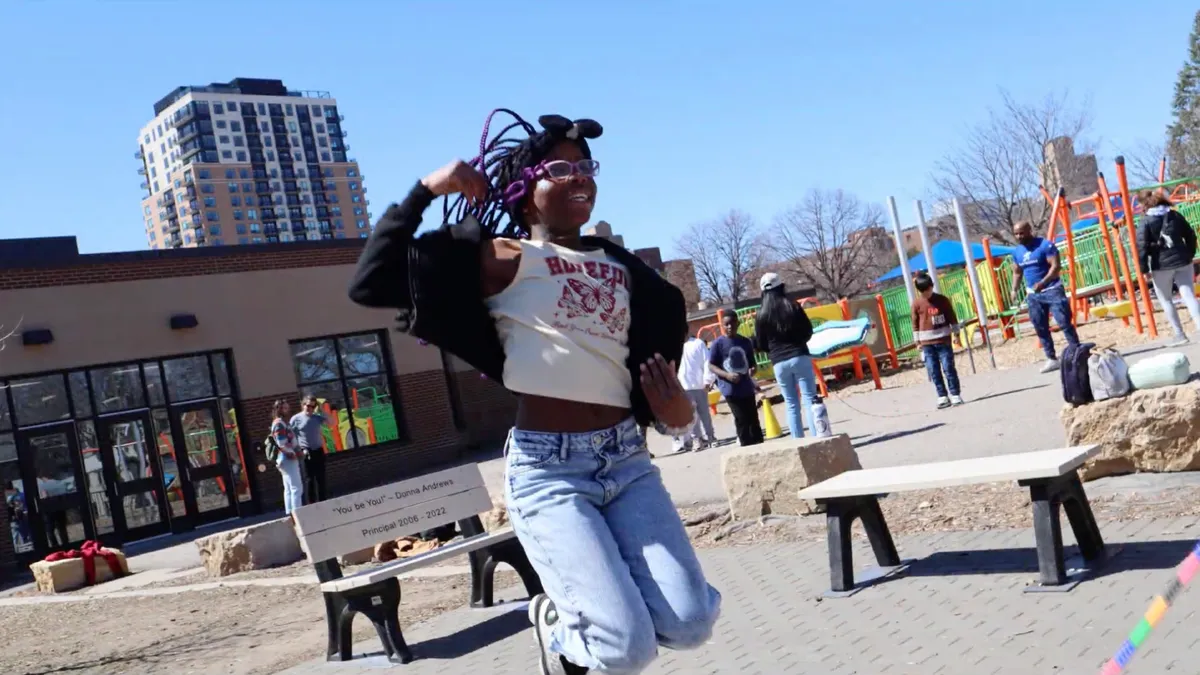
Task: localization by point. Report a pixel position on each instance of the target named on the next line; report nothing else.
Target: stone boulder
(69, 574)
(497, 518)
(1156, 430)
(763, 479)
(268, 544)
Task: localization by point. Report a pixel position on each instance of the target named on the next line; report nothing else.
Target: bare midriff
(556, 415)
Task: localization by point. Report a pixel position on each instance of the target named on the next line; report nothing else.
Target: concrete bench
(1050, 475)
(351, 523)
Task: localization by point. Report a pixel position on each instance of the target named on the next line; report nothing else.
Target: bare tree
(1142, 162)
(832, 240)
(5, 335)
(723, 253)
(996, 171)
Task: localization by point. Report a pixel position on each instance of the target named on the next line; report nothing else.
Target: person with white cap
(782, 330)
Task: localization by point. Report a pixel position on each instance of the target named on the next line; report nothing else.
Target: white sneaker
(543, 616)
(943, 402)
(956, 400)
(1179, 342)
(1049, 366)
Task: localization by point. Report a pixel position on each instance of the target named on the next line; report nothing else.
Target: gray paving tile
(958, 611)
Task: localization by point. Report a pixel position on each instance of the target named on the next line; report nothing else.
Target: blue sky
(707, 106)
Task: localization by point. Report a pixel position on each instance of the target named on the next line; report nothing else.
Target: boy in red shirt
(934, 325)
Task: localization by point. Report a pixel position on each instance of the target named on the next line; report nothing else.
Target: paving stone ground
(960, 609)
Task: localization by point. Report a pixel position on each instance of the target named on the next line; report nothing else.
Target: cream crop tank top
(564, 324)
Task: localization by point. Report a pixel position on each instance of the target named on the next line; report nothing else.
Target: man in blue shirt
(1040, 267)
(731, 359)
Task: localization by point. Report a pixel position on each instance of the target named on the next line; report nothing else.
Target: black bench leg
(1083, 521)
(878, 533)
(483, 571)
(339, 620)
(1047, 532)
(378, 602)
(839, 517)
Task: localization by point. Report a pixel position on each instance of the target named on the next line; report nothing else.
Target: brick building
(136, 392)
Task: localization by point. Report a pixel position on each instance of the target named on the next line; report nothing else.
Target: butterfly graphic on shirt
(581, 297)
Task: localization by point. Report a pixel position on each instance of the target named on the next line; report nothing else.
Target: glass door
(129, 453)
(202, 459)
(54, 495)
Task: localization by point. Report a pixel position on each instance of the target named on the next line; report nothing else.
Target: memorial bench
(1050, 475)
(361, 520)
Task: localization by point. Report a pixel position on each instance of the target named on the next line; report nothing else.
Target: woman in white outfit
(1167, 245)
(288, 460)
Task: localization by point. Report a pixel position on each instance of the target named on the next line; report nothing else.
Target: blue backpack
(1073, 367)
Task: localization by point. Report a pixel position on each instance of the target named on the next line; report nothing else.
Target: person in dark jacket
(1167, 244)
(782, 330)
(588, 336)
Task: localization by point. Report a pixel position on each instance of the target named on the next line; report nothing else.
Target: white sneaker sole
(536, 607)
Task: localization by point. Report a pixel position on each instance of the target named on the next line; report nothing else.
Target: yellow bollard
(771, 428)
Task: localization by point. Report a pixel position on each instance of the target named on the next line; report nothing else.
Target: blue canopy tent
(945, 254)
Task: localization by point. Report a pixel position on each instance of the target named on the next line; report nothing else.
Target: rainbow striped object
(1183, 574)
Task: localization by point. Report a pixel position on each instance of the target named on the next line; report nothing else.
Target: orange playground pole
(1127, 207)
(1008, 332)
(1065, 216)
(1107, 203)
(1108, 254)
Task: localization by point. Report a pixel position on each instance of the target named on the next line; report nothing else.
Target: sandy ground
(247, 630)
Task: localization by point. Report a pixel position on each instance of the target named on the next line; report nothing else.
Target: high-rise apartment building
(248, 162)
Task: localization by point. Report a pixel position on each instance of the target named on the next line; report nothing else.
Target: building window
(237, 214)
(252, 214)
(322, 141)
(271, 155)
(362, 235)
(351, 173)
(351, 377)
(356, 198)
(218, 109)
(221, 124)
(212, 216)
(241, 156)
(326, 157)
(361, 224)
(222, 139)
(214, 229)
(207, 188)
(240, 227)
(254, 227)
(210, 201)
(233, 187)
(243, 241)
(203, 174)
(358, 210)
(229, 174)
(226, 154)
(235, 126)
(337, 223)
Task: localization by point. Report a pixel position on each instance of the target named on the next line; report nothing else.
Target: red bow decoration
(88, 551)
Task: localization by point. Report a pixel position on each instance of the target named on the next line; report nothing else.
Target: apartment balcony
(184, 115)
(174, 240)
(137, 154)
(144, 185)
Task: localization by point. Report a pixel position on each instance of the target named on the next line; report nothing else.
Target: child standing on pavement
(934, 324)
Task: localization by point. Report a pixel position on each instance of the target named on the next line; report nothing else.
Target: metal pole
(969, 256)
(908, 282)
(929, 264)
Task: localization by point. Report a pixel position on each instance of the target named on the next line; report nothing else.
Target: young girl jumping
(588, 337)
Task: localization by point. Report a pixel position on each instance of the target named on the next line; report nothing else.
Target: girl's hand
(665, 395)
(455, 177)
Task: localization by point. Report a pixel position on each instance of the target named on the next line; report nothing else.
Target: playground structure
(1098, 246)
(374, 420)
(1096, 236)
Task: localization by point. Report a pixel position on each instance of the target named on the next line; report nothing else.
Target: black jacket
(1155, 254)
(791, 343)
(435, 280)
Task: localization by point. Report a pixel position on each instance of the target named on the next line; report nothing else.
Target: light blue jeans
(797, 380)
(293, 484)
(601, 531)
